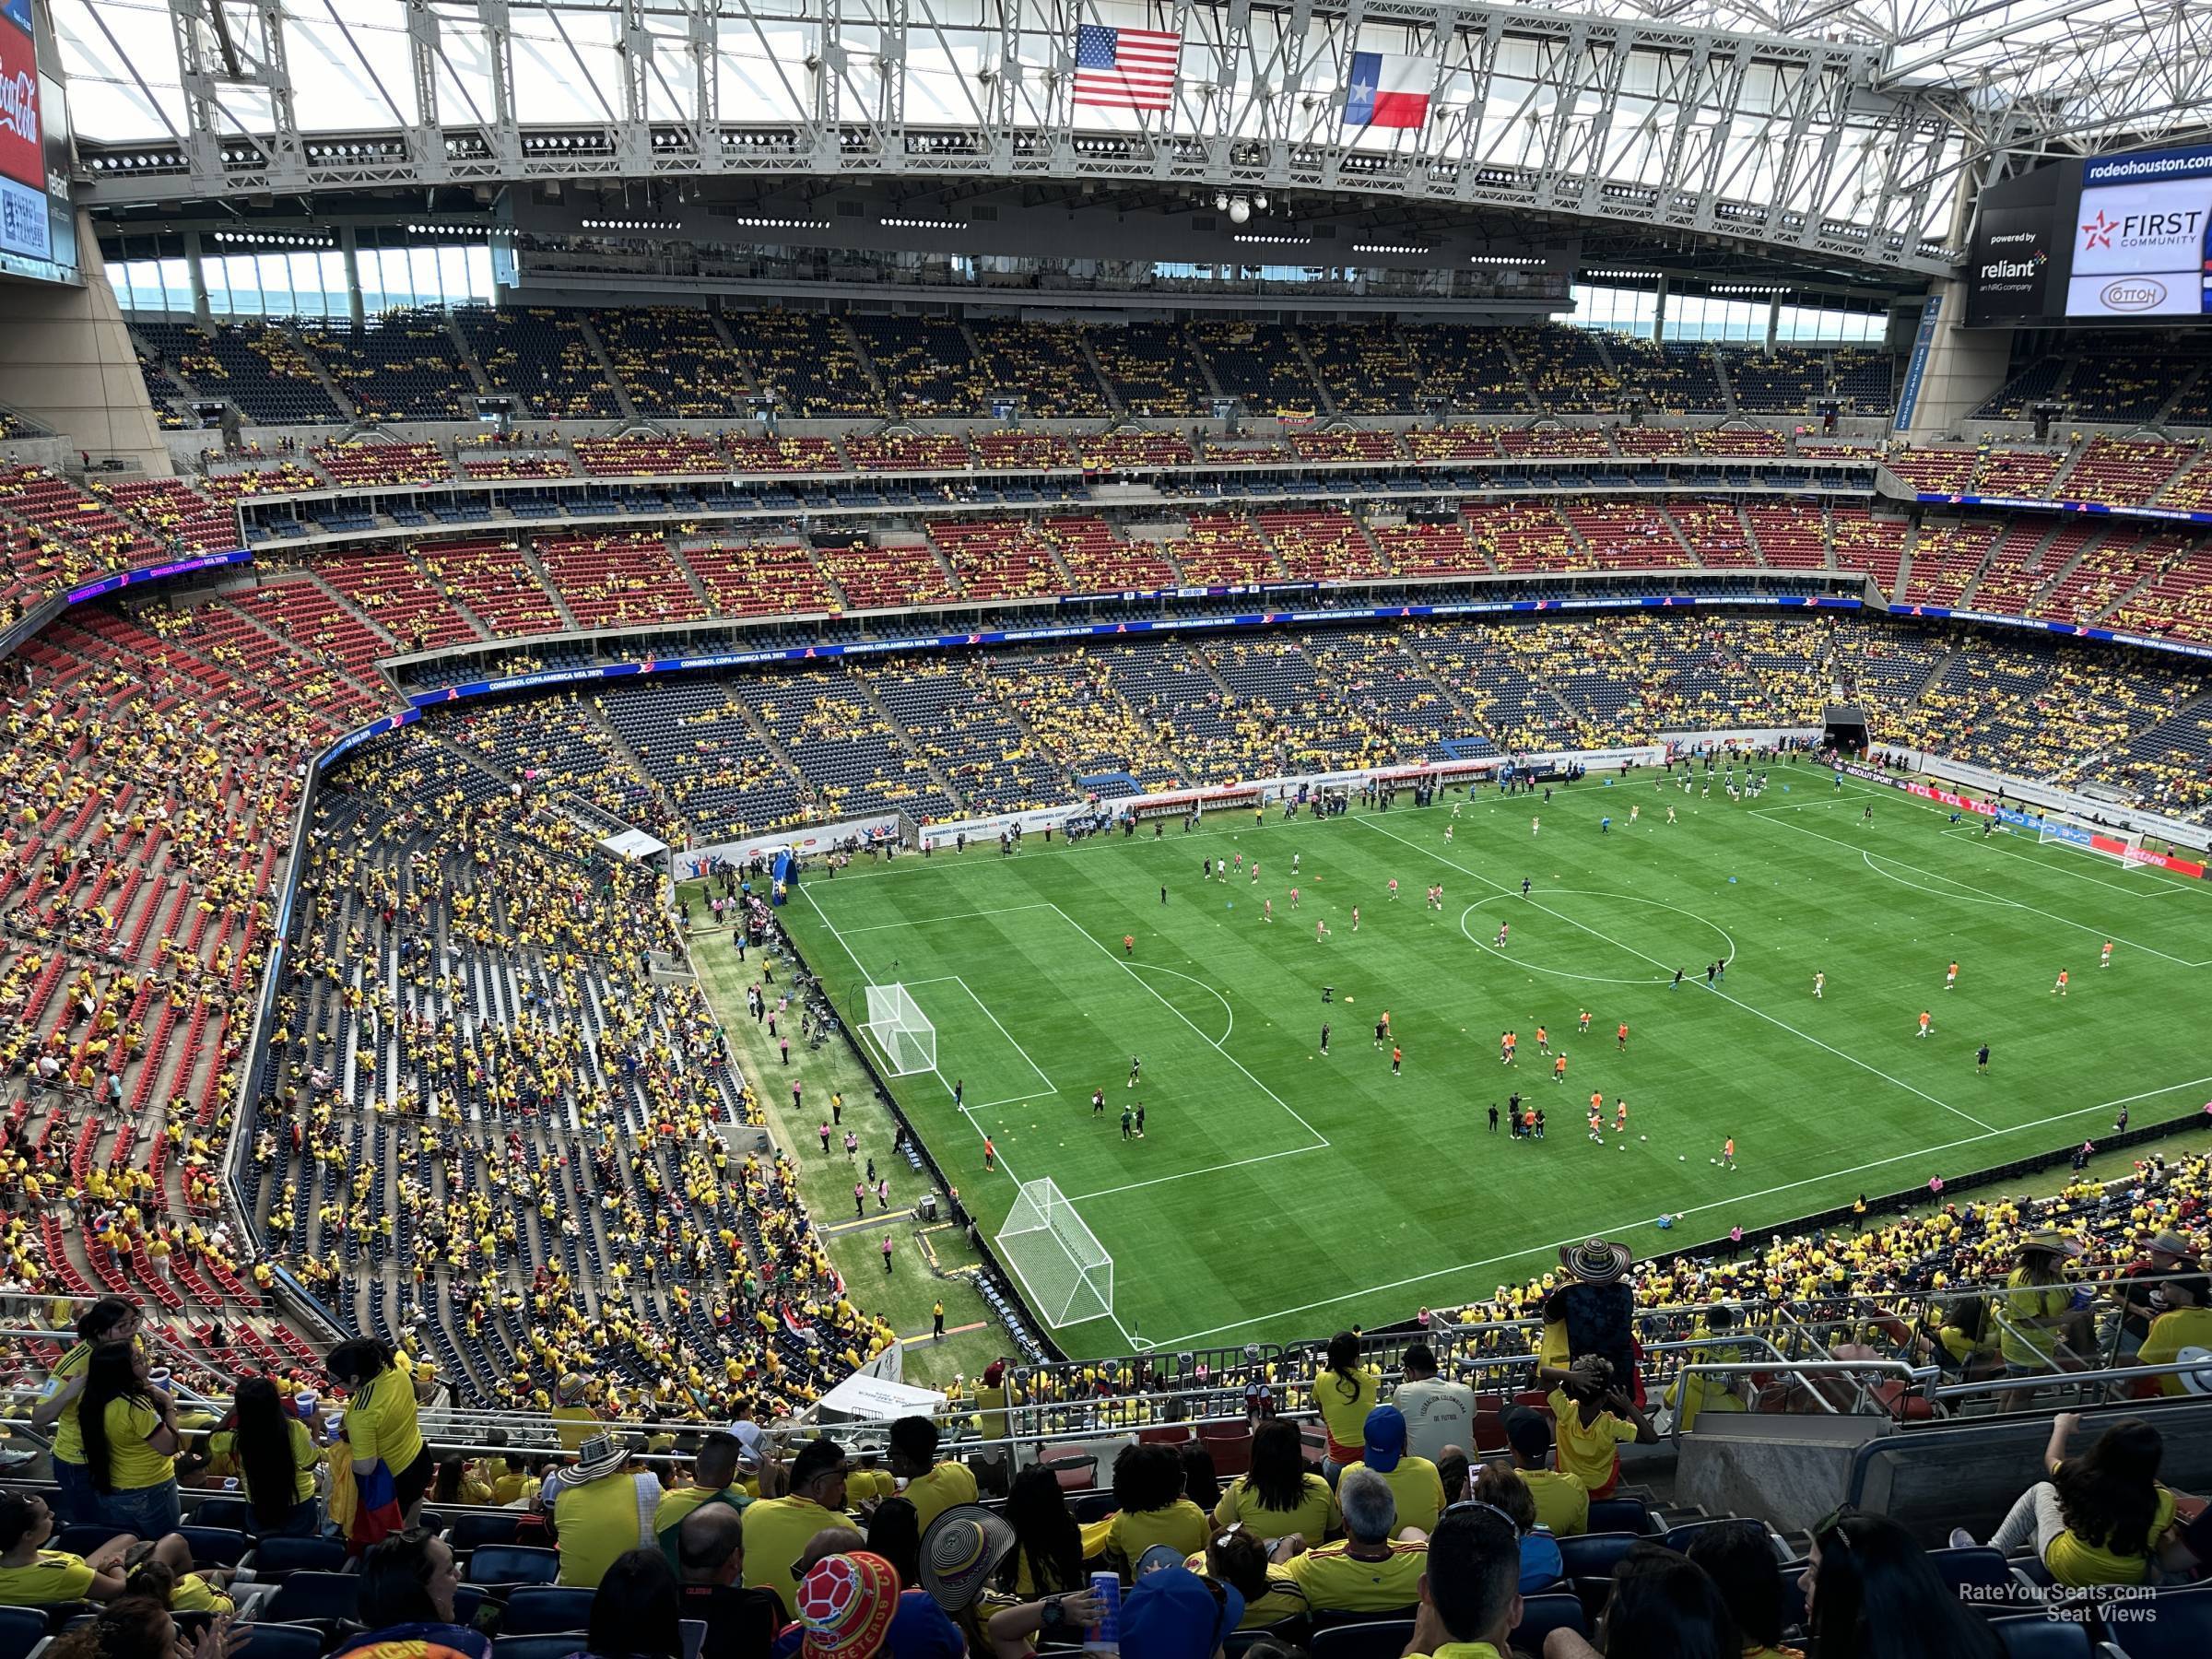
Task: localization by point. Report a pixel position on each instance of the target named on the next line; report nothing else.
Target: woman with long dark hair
(276, 1461)
(1201, 1480)
(1663, 1606)
(1871, 1593)
(110, 1319)
(1345, 1391)
(1048, 1544)
(895, 1533)
(2100, 1516)
(1147, 1486)
(407, 1595)
(381, 1425)
(637, 1610)
(1279, 1495)
(129, 1429)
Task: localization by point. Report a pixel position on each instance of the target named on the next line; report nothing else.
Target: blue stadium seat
(313, 1598)
(234, 1512)
(2179, 1625)
(2036, 1636)
(512, 1564)
(1618, 1514)
(276, 1557)
(556, 1646)
(1974, 1568)
(22, 1629)
(472, 1529)
(216, 1545)
(268, 1640)
(541, 1609)
(1541, 1615)
(1593, 1555)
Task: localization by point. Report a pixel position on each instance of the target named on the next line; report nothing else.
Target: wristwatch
(1052, 1615)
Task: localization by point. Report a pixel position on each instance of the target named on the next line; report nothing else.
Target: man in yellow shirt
(1415, 1484)
(2186, 1323)
(1364, 1572)
(602, 1509)
(1470, 1591)
(573, 1419)
(777, 1529)
(931, 1487)
(1563, 1500)
(714, 1480)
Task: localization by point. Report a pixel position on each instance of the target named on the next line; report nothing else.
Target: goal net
(900, 1031)
(2122, 847)
(1065, 1271)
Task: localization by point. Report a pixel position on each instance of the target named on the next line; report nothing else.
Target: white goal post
(900, 1031)
(1064, 1269)
(2122, 847)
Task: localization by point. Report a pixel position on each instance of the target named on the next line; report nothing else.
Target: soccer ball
(1681, 1158)
(826, 1592)
(1643, 1137)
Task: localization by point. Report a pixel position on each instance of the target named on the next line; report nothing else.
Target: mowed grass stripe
(1411, 1182)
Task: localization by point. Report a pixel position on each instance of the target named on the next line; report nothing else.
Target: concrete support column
(197, 276)
(349, 249)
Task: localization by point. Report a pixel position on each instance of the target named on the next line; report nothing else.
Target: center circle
(1538, 908)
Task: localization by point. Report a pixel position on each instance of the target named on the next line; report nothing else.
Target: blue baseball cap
(1174, 1613)
(1385, 1435)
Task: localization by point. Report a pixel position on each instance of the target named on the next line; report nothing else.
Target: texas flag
(1388, 90)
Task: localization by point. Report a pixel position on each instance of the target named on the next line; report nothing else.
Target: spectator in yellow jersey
(1593, 1419)
(1237, 1558)
(1414, 1482)
(573, 1419)
(129, 1426)
(1563, 1500)
(1365, 1571)
(110, 1319)
(713, 1481)
(1344, 1392)
(1148, 1485)
(1278, 1495)
(32, 1575)
(1470, 1599)
(777, 1528)
(602, 1509)
(381, 1423)
(931, 1487)
(2186, 1325)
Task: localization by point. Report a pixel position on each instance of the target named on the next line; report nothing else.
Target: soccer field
(1281, 1193)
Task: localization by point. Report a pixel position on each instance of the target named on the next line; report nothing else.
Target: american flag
(1125, 68)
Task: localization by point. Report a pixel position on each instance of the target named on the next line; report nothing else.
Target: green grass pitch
(1278, 1192)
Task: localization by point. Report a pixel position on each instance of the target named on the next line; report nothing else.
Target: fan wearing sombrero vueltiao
(1593, 1312)
(964, 1557)
(2182, 1333)
(574, 1420)
(601, 1509)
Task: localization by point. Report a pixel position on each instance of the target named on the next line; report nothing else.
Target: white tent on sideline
(863, 1398)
